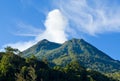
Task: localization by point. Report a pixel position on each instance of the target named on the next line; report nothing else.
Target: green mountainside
(73, 50)
(15, 68)
(41, 47)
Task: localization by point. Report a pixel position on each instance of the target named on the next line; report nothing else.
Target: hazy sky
(25, 22)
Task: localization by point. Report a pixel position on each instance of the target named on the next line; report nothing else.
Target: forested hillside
(15, 68)
(73, 50)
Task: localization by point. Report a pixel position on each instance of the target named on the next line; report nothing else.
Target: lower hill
(15, 68)
(74, 50)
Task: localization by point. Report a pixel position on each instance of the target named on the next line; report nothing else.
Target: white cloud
(1, 50)
(55, 27)
(92, 16)
(21, 45)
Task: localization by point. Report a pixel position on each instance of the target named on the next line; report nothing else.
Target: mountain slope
(76, 50)
(15, 68)
(40, 48)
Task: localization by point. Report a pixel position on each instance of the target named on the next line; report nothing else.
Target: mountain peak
(76, 41)
(40, 48)
(72, 50)
(44, 40)
(80, 40)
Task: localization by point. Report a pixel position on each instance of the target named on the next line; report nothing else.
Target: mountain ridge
(74, 50)
(41, 45)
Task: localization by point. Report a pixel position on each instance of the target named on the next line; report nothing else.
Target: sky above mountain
(25, 22)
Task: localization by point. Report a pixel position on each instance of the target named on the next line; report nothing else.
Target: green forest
(15, 68)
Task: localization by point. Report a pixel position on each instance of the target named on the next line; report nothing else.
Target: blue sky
(25, 22)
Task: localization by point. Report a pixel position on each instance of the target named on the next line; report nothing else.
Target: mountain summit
(73, 50)
(40, 48)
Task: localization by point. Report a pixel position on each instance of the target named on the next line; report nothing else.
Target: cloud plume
(55, 27)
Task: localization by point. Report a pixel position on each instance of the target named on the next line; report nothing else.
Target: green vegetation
(115, 75)
(73, 50)
(15, 68)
